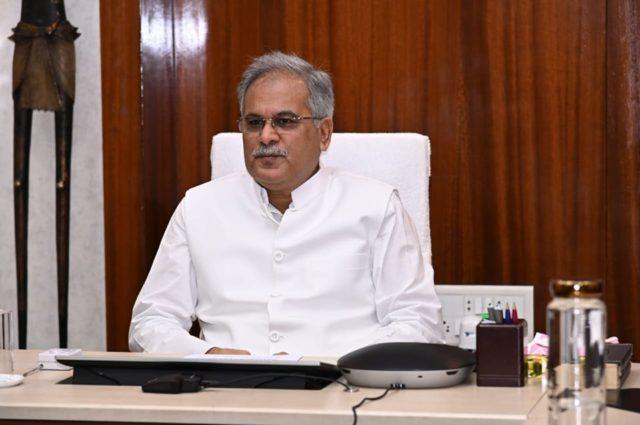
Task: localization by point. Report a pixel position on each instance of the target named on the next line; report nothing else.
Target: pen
(491, 311)
(507, 315)
(514, 314)
(498, 313)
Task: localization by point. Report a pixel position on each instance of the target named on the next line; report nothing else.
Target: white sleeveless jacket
(342, 268)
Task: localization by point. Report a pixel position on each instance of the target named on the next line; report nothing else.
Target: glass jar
(576, 324)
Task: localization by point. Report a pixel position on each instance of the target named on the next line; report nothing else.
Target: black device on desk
(407, 365)
(242, 373)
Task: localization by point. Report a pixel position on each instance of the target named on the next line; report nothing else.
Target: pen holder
(500, 355)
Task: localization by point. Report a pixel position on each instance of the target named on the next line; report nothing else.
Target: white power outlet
(459, 301)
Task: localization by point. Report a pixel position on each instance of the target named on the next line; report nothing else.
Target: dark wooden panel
(123, 195)
(193, 130)
(623, 170)
(159, 127)
(516, 115)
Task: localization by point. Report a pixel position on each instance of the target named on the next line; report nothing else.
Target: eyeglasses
(255, 123)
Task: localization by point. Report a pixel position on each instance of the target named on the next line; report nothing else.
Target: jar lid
(575, 288)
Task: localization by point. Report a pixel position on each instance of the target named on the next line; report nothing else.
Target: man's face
(280, 94)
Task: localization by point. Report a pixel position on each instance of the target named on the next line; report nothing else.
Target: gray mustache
(270, 150)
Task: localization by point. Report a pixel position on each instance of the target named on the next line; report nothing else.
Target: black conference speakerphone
(134, 370)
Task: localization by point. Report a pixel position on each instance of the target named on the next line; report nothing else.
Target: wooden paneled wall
(623, 170)
(532, 108)
(122, 160)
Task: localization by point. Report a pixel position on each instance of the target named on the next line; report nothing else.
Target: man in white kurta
(288, 257)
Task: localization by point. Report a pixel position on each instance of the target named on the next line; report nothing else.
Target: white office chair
(400, 159)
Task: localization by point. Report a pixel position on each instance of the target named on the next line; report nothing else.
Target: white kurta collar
(303, 194)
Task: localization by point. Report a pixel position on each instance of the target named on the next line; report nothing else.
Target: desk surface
(40, 398)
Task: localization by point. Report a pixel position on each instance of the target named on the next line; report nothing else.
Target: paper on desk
(540, 344)
(246, 357)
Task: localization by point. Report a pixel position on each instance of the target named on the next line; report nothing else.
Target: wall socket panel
(459, 301)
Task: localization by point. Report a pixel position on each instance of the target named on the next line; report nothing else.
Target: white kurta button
(278, 256)
(274, 337)
(276, 294)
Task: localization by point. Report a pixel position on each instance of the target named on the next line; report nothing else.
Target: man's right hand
(226, 351)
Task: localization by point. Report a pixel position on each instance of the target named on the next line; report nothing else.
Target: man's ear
(326, 130)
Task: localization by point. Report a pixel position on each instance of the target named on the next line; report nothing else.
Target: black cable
(97, 372)
(215, 384)
(268, 381)
(364, 400)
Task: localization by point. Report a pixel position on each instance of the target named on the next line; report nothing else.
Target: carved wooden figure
(43, 79)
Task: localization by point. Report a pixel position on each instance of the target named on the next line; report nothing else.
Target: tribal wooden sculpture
(43, 79)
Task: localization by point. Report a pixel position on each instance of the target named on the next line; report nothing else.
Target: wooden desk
(40, 400)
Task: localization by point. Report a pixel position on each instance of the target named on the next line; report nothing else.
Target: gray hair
(320, 101)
